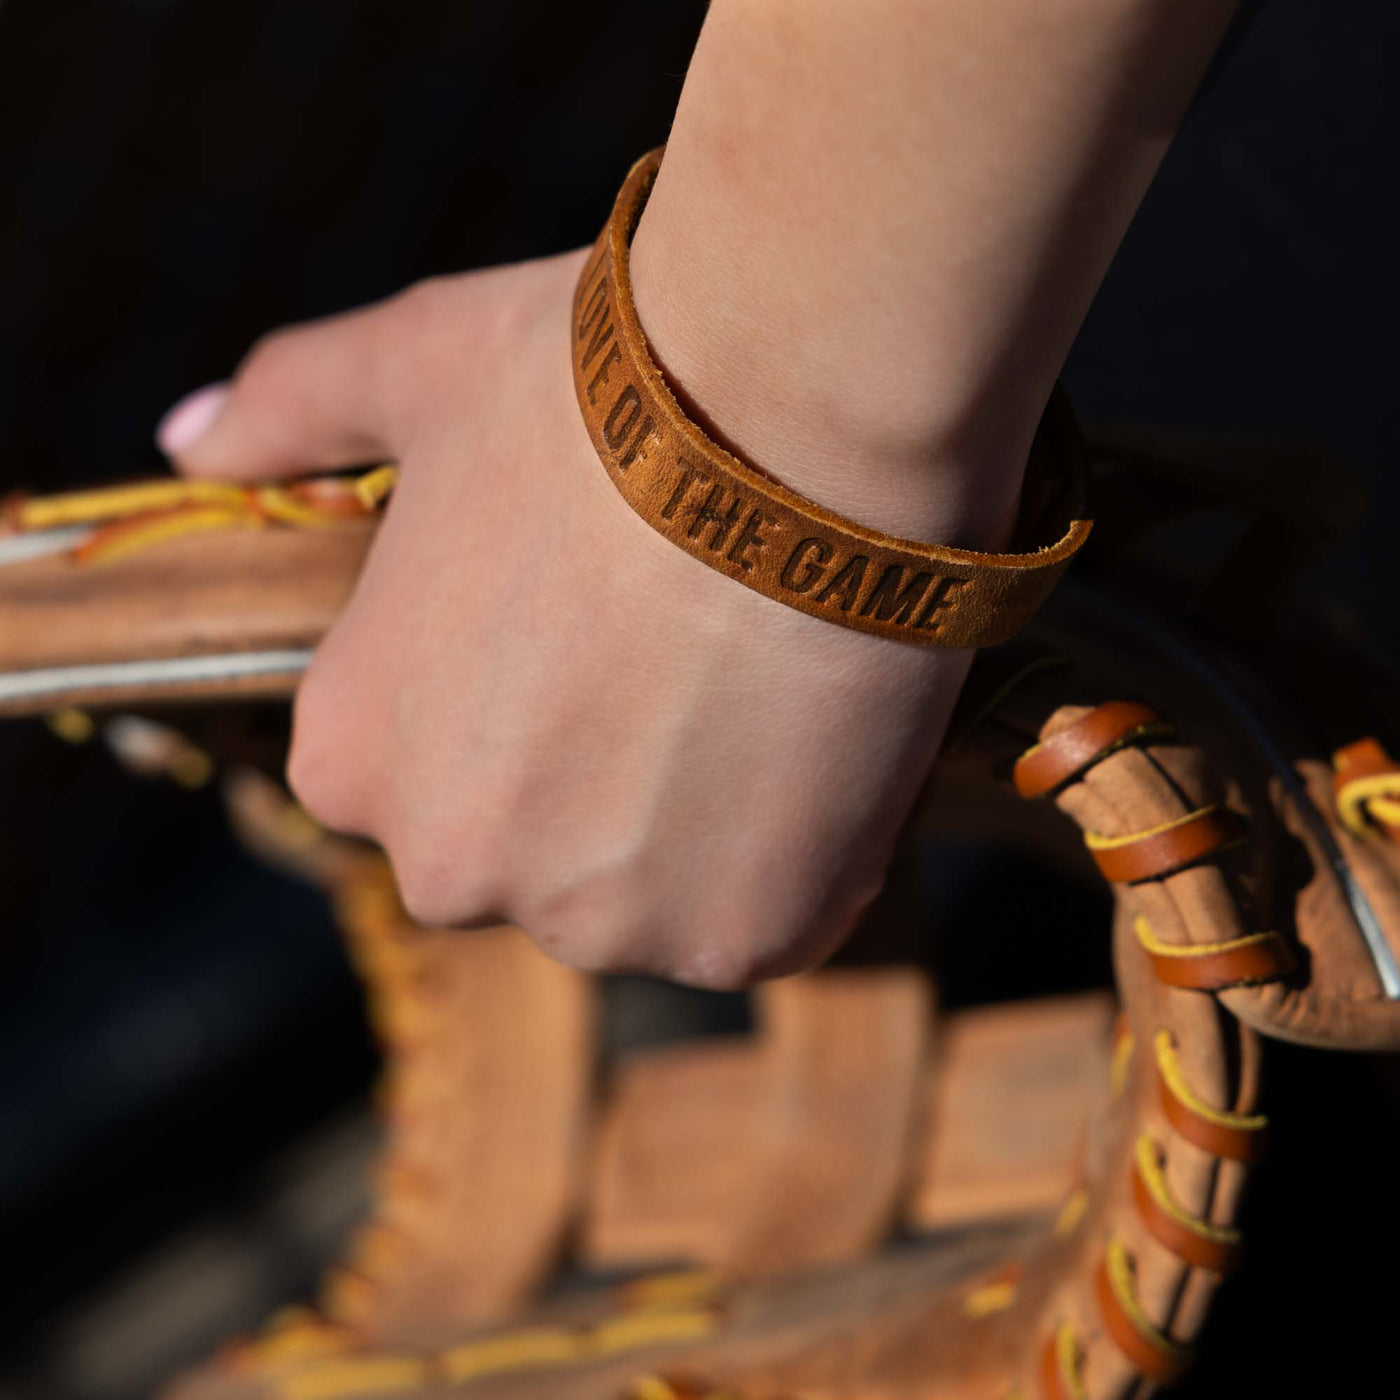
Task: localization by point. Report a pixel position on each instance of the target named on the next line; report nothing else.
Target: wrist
(760, 532)
(775, 356)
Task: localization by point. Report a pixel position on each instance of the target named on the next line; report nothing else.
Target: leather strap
(1150, 1351)
(1061, 1361)
(1240, 1137)
(1160, 850)
(1211, 967)
(738, 520)
(1194, 1241)
(1066, 753)
(1367, 786)
(795, 1219)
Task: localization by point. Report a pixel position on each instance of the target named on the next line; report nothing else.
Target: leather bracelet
(737, 519)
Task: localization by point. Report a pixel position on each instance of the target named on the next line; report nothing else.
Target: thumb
(304, 399)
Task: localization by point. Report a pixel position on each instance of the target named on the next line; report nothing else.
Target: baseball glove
(1252, 850)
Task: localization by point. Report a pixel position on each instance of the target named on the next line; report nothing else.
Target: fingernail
(190, 419)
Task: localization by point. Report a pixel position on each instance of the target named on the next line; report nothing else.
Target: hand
(873, 237)
(544, 711)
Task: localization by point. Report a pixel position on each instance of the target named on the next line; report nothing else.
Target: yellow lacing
(118, 502)
(652, 1388)
(530, 1348)
(1151, 1162)
(1122, 1280)
(680, 1288)
(144, 532)
(541, 1347)
(369, 911)
(137, 516)
(1097, 842)
(525, 1349)
(995, 1293)
(658, 1388)
(1071, 1213)
(356, 1375)
(1378, 796)
(295, 828)
(70, 725)
(346, 1295)
(1152, 944)
(633, 1331)
(313, 1351)
(1069, 1360)
(990, 1298)
(290, 1336)
(385, 956)
(1121, 1063)
(376, 1247)
(374, 487)
(1175, 1080)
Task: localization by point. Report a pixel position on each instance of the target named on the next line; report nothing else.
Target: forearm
(878, 227)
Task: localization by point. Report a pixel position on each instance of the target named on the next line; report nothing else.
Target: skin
(862, 278)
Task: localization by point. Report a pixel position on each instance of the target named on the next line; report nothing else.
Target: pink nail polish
(190, 419)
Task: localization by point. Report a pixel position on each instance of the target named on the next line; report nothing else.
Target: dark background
(183, 1043)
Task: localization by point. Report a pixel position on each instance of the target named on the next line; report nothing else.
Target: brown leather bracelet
(740, 521)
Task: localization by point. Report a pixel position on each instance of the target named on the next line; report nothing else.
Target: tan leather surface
(769, 1154)
(903, 1327)
(1003, 1106)
(844, 1067)
(496, 1111)
(907, 1326)
(1008, 1108)
(229, 592)
(674, 1153)
(490, 1050)
(748, 526)
(1278, 878)
(790, 1151)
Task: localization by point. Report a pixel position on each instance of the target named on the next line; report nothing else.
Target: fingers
(305, 399)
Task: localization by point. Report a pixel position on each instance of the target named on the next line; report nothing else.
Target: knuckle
(423, 307)
(318, 783)
(757, 940)
(321, 765)
(764, 934)
(440, 884)
(424, 323)
(621, 925)
(729, 964)
(422, 295)
(266, 367)
(422, 895)
(596, 925)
